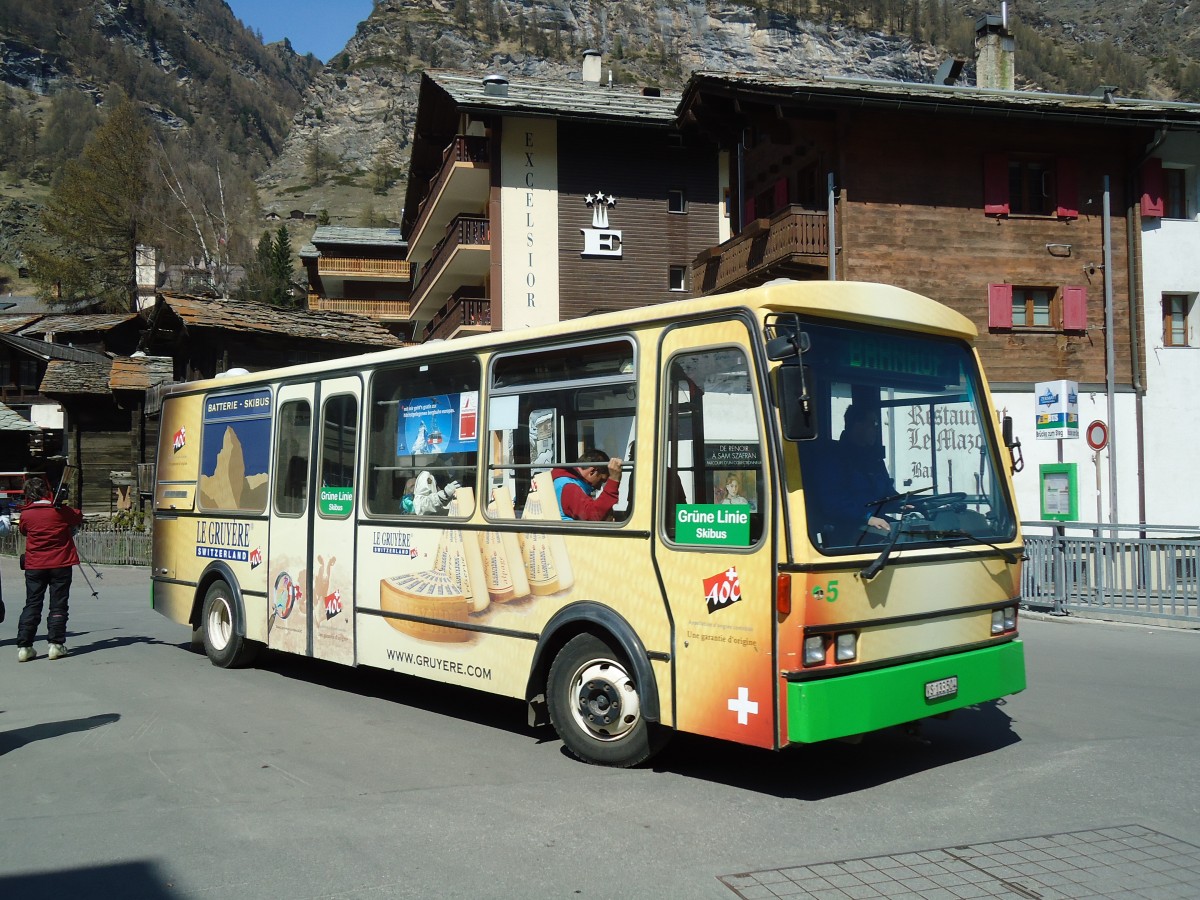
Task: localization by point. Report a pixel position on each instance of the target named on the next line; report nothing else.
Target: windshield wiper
(881, 560)
(1008, 555)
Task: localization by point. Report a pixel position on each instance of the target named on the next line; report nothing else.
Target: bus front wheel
(224, 643)
(595, 705)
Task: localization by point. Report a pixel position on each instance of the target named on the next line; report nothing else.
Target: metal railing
(97, 545)
(1129, 571)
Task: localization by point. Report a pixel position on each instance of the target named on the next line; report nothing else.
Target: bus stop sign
(1097, 435)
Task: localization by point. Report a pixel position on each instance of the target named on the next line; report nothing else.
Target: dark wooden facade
(916, 170)
(638, 166)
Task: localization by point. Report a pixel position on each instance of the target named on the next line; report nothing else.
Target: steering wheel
(929, 505)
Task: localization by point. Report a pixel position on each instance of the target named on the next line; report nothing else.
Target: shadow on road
(835, 768)
(805, 772)
(19, 737)
(132, 881)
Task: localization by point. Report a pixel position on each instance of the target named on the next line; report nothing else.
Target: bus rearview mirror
(799, 418)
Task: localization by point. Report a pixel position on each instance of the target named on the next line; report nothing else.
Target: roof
(68, 376)
(72, 323)
(1105, 108)
(557, 98)
(13, 324)
(138, 373)
(262, 318)
(49, 350)
(11, 420)
(359, 237)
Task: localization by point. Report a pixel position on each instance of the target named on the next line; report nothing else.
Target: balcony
(467, 312)
(793, 243)
(462, 257)
(460, 184)
(349, 267)
(382, 310)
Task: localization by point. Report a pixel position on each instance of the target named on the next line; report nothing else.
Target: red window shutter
(748, 212)
(1068, 188)
(1152, 188)
(995, 184)
(1000, 306)
(1074, 308)
(781, 194)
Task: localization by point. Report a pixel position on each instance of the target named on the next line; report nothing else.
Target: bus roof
(870, 303)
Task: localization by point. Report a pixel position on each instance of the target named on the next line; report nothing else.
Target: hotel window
(1024, 185)
(677, 278)
(1037, 308)
(1175, 204)
(676, 202)
(1176, 309)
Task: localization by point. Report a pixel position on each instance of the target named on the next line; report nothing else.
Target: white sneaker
(58, 651)
(25, 654)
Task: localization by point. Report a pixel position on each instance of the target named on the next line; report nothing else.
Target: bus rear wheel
(595, 705)
(224, 639)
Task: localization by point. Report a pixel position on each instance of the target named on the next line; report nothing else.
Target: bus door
(331, 548)
(714, 500)
(291, 520)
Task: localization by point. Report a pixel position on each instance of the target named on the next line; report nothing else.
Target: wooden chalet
(362, 271)
(994, 202)
(537, 200)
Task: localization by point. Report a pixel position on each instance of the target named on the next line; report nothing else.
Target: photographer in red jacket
(50, 555)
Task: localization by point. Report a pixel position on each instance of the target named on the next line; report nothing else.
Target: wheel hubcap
(219, 624)
(605, 700)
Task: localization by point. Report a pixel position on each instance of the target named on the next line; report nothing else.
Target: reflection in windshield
(902, 454)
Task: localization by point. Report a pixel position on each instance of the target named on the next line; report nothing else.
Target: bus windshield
(903, 454)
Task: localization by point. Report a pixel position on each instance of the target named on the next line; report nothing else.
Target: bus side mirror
(1013, 444)
(799, 424)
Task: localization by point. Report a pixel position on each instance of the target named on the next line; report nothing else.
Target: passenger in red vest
(50, 555)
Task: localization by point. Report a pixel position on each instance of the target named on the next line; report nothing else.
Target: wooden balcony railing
(463, 149)
(372, 309)
(467, 308)
(794, 241)
(382, 268)
(463, 230)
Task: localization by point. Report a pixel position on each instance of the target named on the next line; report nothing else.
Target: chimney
(995, 52)
(591, 66)
(495, 86)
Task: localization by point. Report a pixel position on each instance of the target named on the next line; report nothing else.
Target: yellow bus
(813, 535)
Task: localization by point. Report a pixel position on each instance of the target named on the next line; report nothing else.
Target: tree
(95, 218)
(269, 276)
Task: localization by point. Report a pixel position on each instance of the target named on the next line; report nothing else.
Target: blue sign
(445, 423)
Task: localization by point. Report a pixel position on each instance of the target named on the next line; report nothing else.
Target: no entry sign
(1097, 435)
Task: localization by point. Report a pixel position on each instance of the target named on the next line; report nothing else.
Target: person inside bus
(855, 476)
(576, 487)
(426, 498)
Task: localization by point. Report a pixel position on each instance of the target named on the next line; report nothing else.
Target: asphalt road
(133, 768)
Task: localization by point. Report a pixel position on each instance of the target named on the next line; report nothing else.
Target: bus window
(551, 405)
(339, 437)
(714, 452)
(291, 458)
(904, 450)
(423, 449)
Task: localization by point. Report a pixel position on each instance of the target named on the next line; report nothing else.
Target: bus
(814, 535)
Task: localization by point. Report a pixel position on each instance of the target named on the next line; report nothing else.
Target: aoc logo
(723, 590)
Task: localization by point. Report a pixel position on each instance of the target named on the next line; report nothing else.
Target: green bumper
(867, 701)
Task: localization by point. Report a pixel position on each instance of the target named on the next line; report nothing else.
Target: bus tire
(225, 642)
(595, 705)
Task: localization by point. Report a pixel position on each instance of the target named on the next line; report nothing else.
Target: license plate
(943, 687)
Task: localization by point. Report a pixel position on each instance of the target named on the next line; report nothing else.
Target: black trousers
(58, 581)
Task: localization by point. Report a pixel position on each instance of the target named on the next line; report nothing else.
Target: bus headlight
(847, 647)
(1010, 618)
(814, 650)
(997, 621)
